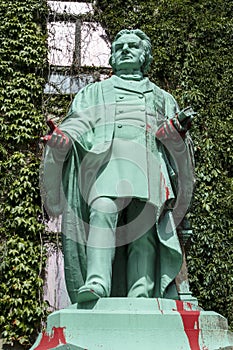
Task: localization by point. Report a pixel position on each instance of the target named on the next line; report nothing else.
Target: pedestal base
(135, 324)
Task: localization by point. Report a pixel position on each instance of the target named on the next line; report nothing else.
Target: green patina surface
(119, 142)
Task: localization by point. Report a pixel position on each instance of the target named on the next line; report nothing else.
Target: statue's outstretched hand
(168, 131)
(56, 138)
(176, 127)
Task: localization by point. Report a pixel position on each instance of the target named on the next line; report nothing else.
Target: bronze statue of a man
(119, 170)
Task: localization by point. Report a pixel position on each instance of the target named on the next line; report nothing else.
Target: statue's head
(131, 49)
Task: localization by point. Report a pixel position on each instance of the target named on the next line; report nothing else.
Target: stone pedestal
(135, 324)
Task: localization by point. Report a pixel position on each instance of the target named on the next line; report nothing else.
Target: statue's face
(128, 52)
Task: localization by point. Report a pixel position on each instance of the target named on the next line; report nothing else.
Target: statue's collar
(134, 75)
(143, 85)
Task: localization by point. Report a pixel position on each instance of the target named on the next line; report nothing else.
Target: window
(76, 44)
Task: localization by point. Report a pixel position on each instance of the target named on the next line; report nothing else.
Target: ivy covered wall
(23, 60)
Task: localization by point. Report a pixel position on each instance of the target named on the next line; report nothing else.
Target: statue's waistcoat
(133, 168)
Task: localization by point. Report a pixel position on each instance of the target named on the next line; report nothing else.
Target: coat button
(140, 96)
(119, 126)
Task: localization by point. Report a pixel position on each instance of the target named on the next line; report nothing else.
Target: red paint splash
(190, 321)
(49, 342)
(164, 185)
(167, 192)
(148, 127)
(160, 309)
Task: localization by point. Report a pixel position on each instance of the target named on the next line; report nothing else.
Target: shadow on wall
(55, 293)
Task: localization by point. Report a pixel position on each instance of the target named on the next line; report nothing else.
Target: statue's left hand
(168, 131)
(177, 126)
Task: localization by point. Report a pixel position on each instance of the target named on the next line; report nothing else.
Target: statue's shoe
(89, 292)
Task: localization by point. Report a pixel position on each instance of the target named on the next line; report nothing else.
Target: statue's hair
(146, 45)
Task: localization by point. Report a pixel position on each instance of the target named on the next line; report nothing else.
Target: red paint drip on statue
(49, 342)
(167, 192)
(163, 184)
(159, 306)
(190, 321)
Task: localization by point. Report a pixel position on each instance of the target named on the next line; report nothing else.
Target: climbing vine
(22, 70)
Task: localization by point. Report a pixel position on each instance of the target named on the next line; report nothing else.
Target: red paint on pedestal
(49, 342)
(159, 306)
(190, 321)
